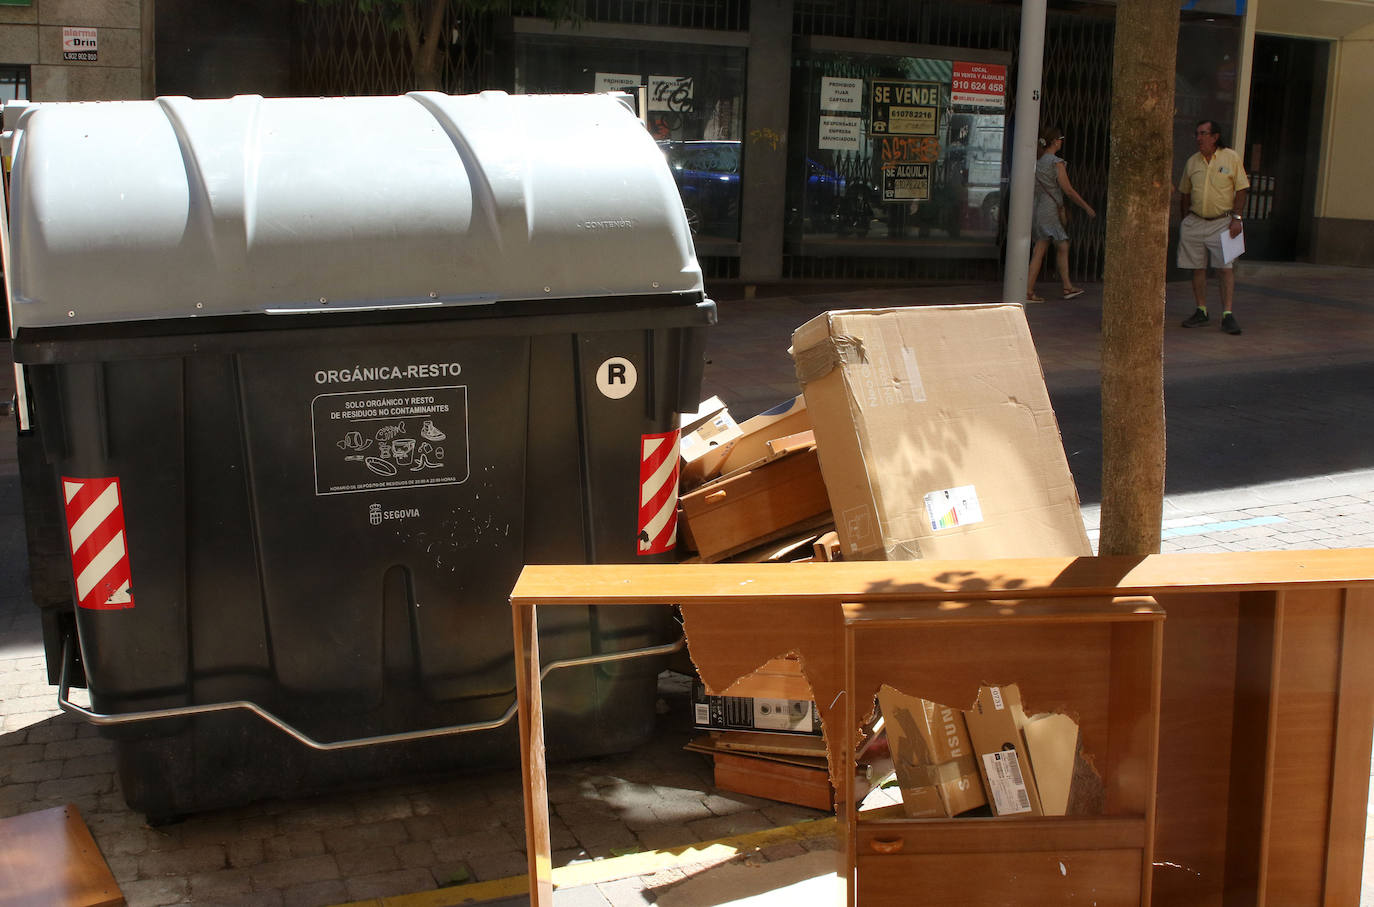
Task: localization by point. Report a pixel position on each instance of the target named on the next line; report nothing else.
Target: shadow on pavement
(1239, 430)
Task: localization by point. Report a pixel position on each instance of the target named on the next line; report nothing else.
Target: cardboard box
(931, 755)
(707, 434)
(749, 713)
(994, 726)
(738, 512)
(749, 443)
(935, 434)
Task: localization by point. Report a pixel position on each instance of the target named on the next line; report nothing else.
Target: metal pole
(1030, 60)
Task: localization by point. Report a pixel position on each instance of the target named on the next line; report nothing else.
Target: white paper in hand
(1232, 247)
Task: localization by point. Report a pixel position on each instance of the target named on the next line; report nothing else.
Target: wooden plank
(991, 835)
(802, 785)
(1196, 711)
(1105, 878)
(49, 859)
(1354, 731)
(534, 777)
(1300, 779)
(1253, 726)
(1001, 612)
(964, 580)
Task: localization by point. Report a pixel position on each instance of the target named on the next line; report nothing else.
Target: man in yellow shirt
(1211, 199)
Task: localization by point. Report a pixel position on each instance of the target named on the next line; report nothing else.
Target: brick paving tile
(373, 834)
(224, 884)
(154, 892)
(314, 894)
(305, 843)
(369, 861)
(425, 827)
(491, 866)
(726, 826)
(285, 873)
(182, 862)
(666, 836)
(415, 854)
(386, 884)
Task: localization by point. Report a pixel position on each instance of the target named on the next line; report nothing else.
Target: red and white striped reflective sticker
(100, 560)
(658, 464)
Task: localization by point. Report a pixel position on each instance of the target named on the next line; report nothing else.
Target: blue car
(707, 176)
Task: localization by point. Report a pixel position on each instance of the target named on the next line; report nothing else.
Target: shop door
(1282, 146)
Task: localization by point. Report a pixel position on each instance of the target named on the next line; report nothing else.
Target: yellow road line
(608, 870)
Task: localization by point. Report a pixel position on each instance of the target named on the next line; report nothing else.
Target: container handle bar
(102, 719)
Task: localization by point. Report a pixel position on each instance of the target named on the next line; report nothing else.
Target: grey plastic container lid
(172, 208)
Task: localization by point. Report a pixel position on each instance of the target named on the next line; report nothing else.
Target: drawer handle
(715, 496)
(886, 845)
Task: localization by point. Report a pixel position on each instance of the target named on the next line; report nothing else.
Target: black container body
(328, 520)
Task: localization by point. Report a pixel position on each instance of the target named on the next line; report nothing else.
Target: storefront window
(14, 83)
(693, 107)
(896, 150)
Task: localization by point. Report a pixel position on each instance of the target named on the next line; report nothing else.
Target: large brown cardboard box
(935, 434)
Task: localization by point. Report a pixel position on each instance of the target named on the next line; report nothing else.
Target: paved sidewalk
(1309, 485)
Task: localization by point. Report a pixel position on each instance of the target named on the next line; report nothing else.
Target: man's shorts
(1197, 238)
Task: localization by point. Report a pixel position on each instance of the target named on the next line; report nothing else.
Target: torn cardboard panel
(931, 755)
(779, 678)
(936, 435)
(810, 630)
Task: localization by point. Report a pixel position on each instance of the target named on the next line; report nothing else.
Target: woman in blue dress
(1052, 186)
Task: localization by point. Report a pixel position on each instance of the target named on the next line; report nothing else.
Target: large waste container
(307, 381)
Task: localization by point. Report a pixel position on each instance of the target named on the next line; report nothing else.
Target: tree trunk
(1138, 202)
(424, 34)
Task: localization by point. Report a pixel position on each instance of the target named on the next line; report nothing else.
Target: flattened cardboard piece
(994, 725)
(931, 754)
(1052, 742)
(936, 435)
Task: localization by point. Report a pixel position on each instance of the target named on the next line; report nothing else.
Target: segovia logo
(376, 515)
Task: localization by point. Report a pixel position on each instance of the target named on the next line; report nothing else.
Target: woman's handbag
(1064, 215)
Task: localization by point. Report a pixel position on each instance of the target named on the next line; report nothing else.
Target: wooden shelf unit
(1098, 660)
(1265, 719)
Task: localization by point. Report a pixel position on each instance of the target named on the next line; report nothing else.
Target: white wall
(1347, 191)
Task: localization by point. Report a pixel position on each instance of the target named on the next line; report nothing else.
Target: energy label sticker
(953, 507)
(377, 439)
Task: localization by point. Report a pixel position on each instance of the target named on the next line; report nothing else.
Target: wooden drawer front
(1106, 878)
